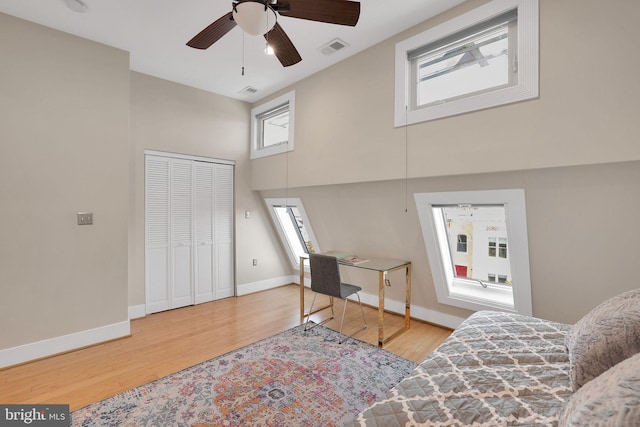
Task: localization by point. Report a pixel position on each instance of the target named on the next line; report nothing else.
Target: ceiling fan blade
(342, 12)
(282, 46)
(213, 32)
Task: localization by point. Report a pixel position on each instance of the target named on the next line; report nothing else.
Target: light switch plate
(85, 218)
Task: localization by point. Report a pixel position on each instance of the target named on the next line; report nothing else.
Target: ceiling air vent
(248, 90)
(333, 46)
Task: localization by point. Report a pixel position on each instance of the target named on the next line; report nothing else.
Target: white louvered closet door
(182, 232)
(188, 232)
(223, 218)
(157, 256)
(203, 210)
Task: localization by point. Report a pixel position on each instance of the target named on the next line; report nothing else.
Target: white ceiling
(155, 33)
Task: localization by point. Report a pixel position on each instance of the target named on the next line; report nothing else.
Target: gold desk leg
(382, 276)
(301, 289)
(407, 312)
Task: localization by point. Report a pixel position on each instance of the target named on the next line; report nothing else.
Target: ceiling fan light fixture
(254, 17)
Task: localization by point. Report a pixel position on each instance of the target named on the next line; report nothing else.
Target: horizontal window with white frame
(481, 59)
(272, 126)
(478, 279)
(294, 228)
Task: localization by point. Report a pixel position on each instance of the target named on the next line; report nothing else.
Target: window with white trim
(294, 228)
(483, 58)
(272, 126)
(462, 243)
(478, 278)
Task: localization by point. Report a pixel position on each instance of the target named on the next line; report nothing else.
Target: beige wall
(349, 160)
(74, 124)
(582, 230)
(589, 95)
(64, 121)
(166, 116)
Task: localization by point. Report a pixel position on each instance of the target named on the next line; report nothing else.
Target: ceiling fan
(257, 17)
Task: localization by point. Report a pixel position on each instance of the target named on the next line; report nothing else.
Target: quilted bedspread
(496, 369)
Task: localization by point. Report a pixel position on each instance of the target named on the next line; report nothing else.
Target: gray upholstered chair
(325, 279)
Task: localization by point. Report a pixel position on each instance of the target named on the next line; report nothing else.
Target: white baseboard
(49, 347)
(263, 285)
(417, 312)
(137, 311)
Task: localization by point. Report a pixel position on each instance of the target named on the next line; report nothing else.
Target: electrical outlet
(85, 218)
(255, 262)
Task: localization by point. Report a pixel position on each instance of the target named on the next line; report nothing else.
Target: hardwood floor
(166, 342)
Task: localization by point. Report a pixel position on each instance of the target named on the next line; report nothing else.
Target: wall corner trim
(137, 311)
(49, 347)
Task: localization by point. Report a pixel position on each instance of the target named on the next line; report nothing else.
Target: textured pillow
(605, 336)
(612, 399)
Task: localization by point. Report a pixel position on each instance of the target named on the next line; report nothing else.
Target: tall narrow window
(462, 243)
(293, 228)
(492, 246)
(502, 247)
(490, 219)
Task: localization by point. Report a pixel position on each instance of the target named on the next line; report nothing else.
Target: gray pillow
(605, 336)
(612, 399)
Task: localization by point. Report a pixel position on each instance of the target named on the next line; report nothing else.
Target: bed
(506, 369)
(495, 369)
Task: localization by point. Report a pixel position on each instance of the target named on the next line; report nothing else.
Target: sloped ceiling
(155, 33)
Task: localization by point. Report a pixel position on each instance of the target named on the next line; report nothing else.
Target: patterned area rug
(290, 379)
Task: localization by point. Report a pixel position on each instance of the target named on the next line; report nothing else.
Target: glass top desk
(383, 266)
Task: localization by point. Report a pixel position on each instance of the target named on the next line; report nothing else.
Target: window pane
(492, 246)
(294, 230)
(462, 243)
(468, 66)
(272, 126)
(482, 227)
(481, 216)
(502, 247)
(275, 129)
